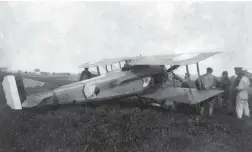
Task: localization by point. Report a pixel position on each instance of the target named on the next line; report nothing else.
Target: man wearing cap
(187, 75)
(208, 82)
(126, 67)
(86, 74)
(234, 83)
(238, 70)
(187, 83)
(242, 105)
(225, 85)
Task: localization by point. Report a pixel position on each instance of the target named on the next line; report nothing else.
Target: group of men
(235, 95)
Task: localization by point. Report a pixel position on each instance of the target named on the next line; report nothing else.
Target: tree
(37, 70)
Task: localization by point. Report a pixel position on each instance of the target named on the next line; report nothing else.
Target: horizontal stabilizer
(35, 99)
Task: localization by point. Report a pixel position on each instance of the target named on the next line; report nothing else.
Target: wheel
(169, 105)
(173, 106)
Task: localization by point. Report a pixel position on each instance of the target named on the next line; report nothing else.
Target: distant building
(66, 74)
(45, 73)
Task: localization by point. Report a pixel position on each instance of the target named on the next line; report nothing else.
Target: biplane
(145, 78)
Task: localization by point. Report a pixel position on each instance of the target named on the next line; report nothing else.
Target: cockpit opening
(126, 67)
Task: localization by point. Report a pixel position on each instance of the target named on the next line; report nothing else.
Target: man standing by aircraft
(208, 82)
(242, 105)
(85, 74)
(234, 83)
(226, 86)
(187, 75)
(187, 83)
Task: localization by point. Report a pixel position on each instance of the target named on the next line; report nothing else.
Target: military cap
(224, 72)
(238, 68)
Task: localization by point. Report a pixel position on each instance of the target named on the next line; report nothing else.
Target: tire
(169, 106)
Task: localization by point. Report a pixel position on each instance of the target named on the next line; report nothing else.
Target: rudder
(11, 92)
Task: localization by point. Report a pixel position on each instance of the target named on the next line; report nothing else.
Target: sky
(59, 36)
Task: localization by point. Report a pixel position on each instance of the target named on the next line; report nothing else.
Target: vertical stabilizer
(11, 92)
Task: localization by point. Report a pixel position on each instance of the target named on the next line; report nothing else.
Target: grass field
(122, 128)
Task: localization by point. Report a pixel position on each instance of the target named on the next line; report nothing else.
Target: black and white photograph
(125, 76)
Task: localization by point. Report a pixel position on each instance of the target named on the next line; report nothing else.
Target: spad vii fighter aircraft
(145, 77)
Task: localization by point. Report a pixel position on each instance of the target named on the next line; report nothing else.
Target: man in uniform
(242, 105)
(234, 83)
(187, 83)
(187, 75)
(85, 74)
(225, 84)
(126, 67)
(208, 82)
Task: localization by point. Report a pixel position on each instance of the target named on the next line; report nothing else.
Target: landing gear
(149, 101)
(170, 105)
(165, 104)
(207, 105)
(198, 108)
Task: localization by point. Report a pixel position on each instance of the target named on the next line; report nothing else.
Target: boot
(210, 111)
(202, 111)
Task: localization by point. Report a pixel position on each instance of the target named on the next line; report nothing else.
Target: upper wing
(166, 59)
(105, 62)
(175, 59)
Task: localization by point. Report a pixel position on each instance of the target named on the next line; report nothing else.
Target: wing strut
(173, 81)
(106, 67)
(120, 65)
(198, 71)
(98, 70)
(189, 78)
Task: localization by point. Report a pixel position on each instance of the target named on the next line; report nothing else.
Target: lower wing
(184, 95)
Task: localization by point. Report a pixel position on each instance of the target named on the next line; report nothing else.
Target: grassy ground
(115, 129)
(118, 127)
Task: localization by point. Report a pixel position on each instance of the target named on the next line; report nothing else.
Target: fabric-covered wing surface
(35, 99)
(175, 59)
(182, 95)
(105, 62)
(166, 59)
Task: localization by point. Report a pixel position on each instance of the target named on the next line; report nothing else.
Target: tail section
(11, 92)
